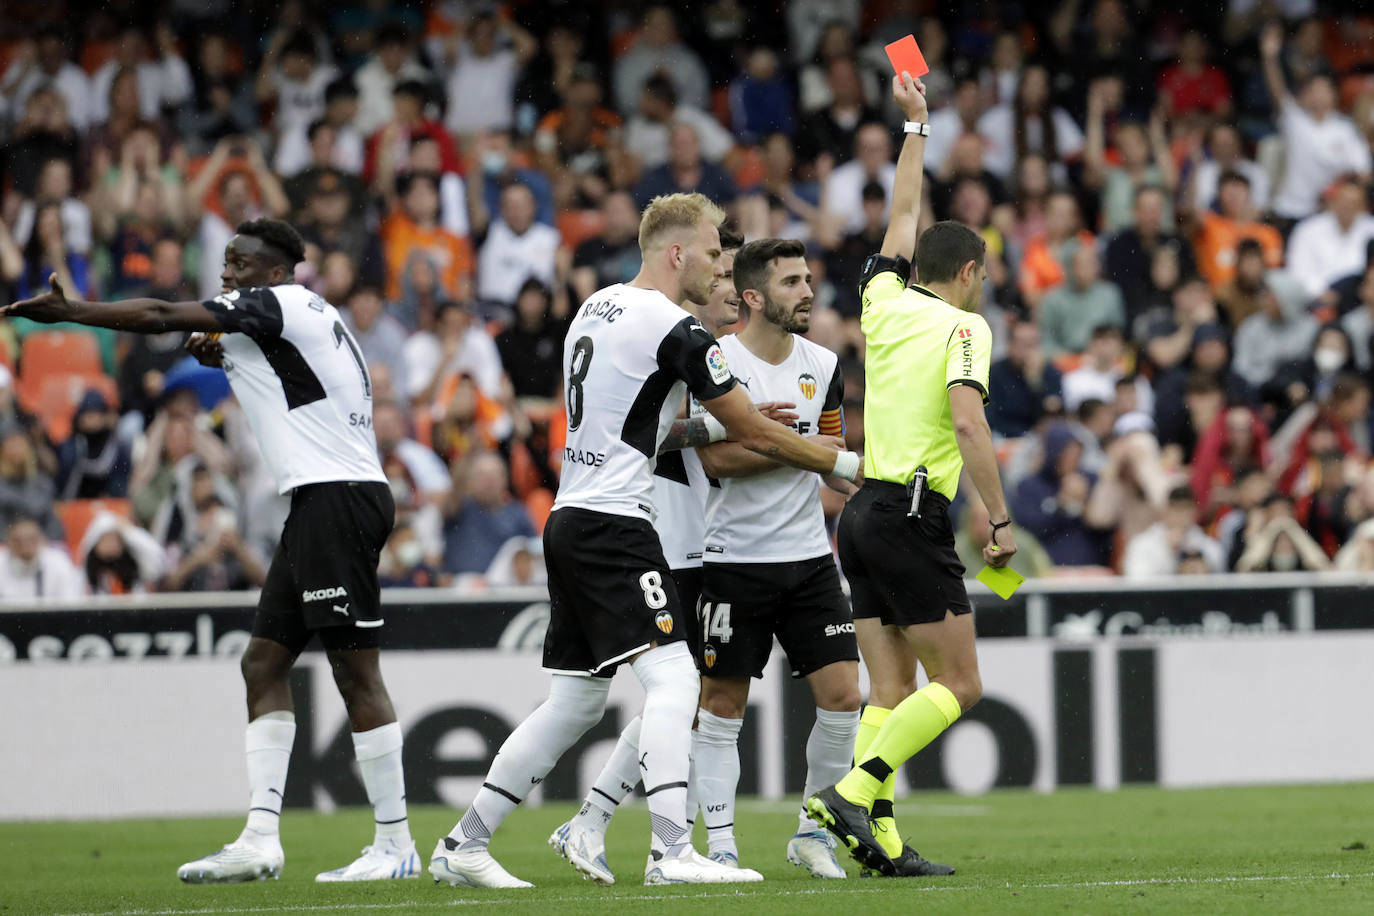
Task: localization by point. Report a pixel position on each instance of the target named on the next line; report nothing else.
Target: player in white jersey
(631, 354)
(305, 390)
(680, 487)
(769, 568)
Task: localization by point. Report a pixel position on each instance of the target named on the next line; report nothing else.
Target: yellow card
(1003, 581)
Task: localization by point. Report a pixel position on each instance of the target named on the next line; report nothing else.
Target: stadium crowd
(1175, 202)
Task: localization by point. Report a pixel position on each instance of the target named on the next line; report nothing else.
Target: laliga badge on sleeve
(1004, 582)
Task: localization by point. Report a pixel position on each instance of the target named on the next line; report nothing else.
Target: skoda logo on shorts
(708, 655)
(664, 621)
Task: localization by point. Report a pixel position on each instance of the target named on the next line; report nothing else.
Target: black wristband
(998, 526)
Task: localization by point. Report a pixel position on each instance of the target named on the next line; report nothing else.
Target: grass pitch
(1254, 850)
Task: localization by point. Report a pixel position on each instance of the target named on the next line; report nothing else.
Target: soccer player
(680, 488)
(305, 390)
(769, 570)
(927, 376)
(631, 354)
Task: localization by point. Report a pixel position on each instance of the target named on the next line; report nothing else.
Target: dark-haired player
(305, 390)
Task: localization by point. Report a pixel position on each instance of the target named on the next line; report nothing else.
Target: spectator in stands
(964, 164)
(42, 132)
(760, 98)
(1359, 324)
(1145, 161)
(1073, 311)
(467, 421)
(163, 82)
(392, 63)
(659, 50)
(1045, 263)
(950, 123)
(1050, 504)
(649, 131)
(403, 563)
(1157, 551)
(221, 104)
(1332, 418)
(1242, 297)
(1247, 515)
(1225, 153)
(1130, 255)
(119, 558)
(292, 78)
(389, 149)
(47, 254)
(1193, 84)
(328, 142)
(1100, 370)
(246, 188)
(482, 516)
(95, 461)
(582, 138)
(520, 564)
(1320, 144)
(1331, 245)
(1028, 385)
(1030, 123)
(517, 247)
(483, 67)
(379, 335)
(31, 569)
(842, 190)
(1210, 355)
(55, 186)
(413, 230)
(831, 129)
(1235, 443)
(25, 491)
(458, 345)
(1278, 333)
(419, 481)
(45, 61)
(843, 265)
(532, 346)
(685, 171)
(612, 255)
(497, 166)
(211, 556)
(331, 224)
(172, 445)
(1314, 377)
(1279, 544)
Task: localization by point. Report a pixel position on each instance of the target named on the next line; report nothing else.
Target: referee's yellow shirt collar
(921, 289)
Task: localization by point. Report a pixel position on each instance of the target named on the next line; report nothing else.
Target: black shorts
(903, 570)
(688, 582)
(611, 594)
(744, 605)
(324, 574)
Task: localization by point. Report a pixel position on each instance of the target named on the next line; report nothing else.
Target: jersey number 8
(580, 365)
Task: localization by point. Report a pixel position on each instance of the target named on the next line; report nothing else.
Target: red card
(906, 56)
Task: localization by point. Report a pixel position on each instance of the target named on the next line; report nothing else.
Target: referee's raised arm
(900, 238)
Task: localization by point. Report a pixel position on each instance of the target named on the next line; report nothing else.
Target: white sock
(574, 705)
(717, 756)
(616, 781)
(671, 688)
(693, 796)
(829, 753)
(267, 747)
(379, 759)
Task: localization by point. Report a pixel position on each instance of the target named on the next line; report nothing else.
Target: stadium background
(1183, 418)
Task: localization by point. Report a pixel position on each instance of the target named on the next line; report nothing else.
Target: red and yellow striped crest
(807, 383)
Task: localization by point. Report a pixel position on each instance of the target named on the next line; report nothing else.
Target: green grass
(1273, 850)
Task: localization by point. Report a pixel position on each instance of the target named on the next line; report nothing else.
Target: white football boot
(470, 867)
(585, 849)
(815, 851)
(236, 862)
(694, 868)
(378, 862)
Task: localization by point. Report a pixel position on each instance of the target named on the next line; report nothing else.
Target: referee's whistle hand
(999, 555)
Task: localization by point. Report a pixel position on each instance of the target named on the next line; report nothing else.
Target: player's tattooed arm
(689, 432)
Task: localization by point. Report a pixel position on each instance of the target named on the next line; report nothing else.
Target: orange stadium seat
(56, 397)
(76, 516)
(576, 226)
(539, 504)
(56, 353)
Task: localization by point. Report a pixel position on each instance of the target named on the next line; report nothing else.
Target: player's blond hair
(675, 211)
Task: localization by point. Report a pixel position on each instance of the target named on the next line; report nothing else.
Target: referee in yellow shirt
(927, 373)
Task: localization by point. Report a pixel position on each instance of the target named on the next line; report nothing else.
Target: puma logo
(341, 610)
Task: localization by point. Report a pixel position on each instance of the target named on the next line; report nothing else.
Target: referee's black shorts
(901, 569)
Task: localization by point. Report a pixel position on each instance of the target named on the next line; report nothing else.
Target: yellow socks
(917, 721)
(882, 816)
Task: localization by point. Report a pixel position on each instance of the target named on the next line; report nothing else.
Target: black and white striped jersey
(630, 357)
(302, 382)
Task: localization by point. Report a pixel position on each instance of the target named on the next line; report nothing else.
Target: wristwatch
(917, 127)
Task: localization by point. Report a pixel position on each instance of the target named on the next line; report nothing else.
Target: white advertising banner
(164, 737)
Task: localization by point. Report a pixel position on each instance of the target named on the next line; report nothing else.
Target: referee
(927, 371)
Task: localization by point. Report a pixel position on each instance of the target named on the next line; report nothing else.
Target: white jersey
(630, 357)
(680, 485)
(776, 516)
(302, 382)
